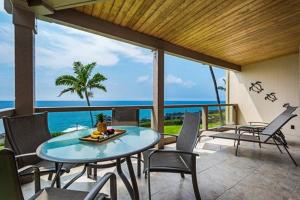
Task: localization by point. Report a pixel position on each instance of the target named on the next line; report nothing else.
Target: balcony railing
(210, 112)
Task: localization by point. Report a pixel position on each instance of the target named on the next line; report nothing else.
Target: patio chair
(125, 117)
(120, 117)
(271, 134)
(128, 117)
(24, 134)
(10, 188)
(181, 160)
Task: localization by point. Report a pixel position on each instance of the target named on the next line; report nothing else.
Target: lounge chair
(271, 134)
(24, 134)
(182, 160)
(256, 126)
(10, 188)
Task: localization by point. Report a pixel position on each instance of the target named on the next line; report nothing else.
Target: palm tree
(82, 82)
(222, 87)
(216, 91)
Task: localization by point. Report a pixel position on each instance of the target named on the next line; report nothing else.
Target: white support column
(24, 23)
(157, 122)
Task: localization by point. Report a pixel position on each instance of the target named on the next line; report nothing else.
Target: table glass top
(69, 149)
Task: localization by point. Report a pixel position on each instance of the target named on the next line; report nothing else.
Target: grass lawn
(174, 129)
(1, 146)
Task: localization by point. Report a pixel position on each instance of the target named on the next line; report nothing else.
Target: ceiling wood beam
(75, 19)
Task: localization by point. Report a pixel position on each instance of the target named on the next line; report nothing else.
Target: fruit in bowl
(110, 131)
(96, 134)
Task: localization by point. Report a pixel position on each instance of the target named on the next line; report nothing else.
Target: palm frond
(89, 68)
(100, 86)
(77, 67)
(67, 80)
(221, 88)
(79, 93)
(66, 90)
(90, 94)
(96, 80)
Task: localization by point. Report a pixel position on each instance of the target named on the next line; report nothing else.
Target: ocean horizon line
(114, 100)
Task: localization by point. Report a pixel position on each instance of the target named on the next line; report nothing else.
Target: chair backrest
(189, 131)
(123, 117)
(289, 110)
(26, 133)
(10, 188)
(276, 125)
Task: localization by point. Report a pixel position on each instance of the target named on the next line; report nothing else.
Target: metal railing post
(204, 117)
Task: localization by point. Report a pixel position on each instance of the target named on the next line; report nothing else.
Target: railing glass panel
(145, 118)
(216, 116)
(173, 118)
(62, 122)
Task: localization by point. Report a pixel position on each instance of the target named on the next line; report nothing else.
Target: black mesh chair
(181, 160)
(125, 117)
(24, 134)
(128, 117)
(10, 188)
(120, 117)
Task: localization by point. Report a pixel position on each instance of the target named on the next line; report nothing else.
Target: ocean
(65, 121)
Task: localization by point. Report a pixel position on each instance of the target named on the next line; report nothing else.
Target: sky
(128, 68)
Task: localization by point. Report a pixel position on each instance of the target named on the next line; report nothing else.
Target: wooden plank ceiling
(238, 31)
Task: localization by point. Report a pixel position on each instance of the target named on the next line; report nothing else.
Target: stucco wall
(279, 75)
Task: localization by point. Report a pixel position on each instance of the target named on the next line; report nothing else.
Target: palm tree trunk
(89, 104)
(217, 92)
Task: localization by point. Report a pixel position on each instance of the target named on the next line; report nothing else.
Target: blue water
(64, 120)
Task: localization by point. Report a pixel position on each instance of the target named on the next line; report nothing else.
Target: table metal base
(131, 188)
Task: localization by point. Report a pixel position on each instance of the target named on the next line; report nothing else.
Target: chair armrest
(260, 123)
(172, 135)
(25, 155)
(246, 128)
(171, 151)
(157, 151)
(99, 185)
(27, 170)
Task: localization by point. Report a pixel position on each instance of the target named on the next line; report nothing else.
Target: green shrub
(55, 134)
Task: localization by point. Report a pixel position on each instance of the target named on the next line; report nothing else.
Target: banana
(95, 136)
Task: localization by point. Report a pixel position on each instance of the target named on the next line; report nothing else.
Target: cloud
(6, 53)
(172, 79)
(143, 79)
(6, 43)
(60, 46)
(2, 6)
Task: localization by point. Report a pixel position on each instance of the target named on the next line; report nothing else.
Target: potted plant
(101, 124)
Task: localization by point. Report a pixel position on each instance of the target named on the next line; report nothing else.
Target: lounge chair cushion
(59, 194)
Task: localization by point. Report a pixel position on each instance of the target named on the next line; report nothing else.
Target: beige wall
(279, 75)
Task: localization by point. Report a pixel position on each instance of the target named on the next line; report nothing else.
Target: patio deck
(256, 174)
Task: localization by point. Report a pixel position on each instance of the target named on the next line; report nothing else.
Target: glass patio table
(68, 148)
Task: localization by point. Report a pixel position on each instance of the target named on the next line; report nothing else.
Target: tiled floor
(255, 174)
